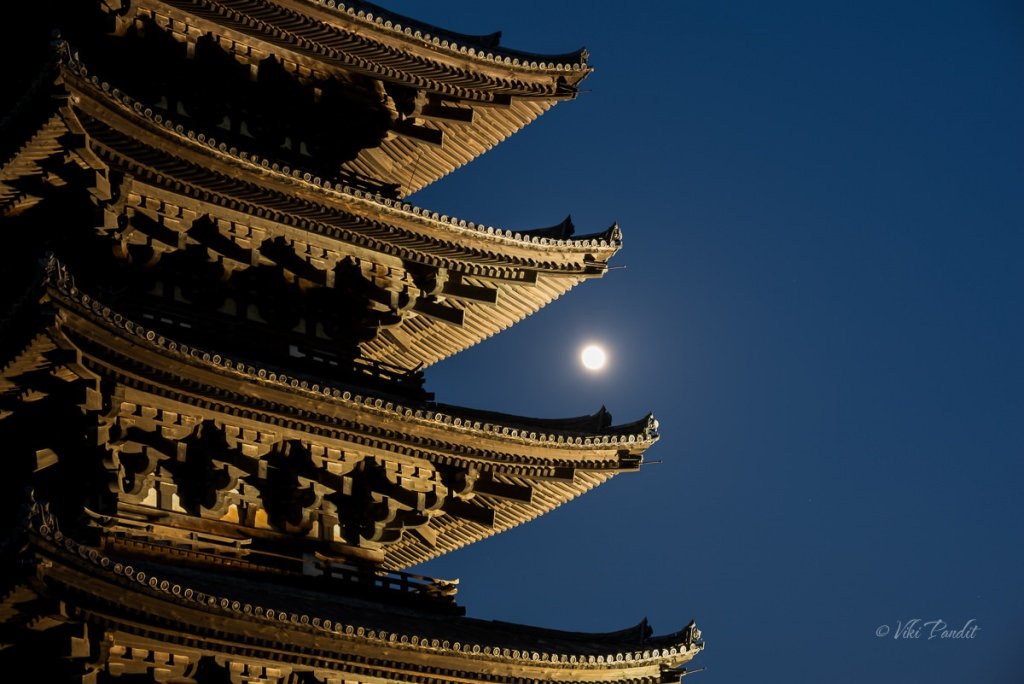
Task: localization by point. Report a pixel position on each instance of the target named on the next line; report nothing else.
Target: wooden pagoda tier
(158, 217)
(75, 612)
(164, 445)
(220, 456)
(346, 90)
(198, 519)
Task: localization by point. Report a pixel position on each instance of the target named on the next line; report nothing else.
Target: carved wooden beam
(204, 231)
(520, 276)
(481, 515)
(442, 312)
(459, 289)
(437, 110)
(486, 484)
(417, 132)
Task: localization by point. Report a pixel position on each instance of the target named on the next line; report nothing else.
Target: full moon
(593, 357)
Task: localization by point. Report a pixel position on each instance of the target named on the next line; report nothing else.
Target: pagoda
(215, 316)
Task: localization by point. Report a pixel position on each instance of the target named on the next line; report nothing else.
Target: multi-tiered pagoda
(216, 312)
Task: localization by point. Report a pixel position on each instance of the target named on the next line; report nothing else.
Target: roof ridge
(543, 431)
(679, 647)
(485, 47)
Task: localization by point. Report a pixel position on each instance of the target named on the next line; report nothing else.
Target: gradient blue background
(820, 297)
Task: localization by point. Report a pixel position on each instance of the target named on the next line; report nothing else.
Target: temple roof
(470, 92)
(484, 279)
(483, 47)
(220, 454)
(194, 613)
(590, 430)
(510, 468)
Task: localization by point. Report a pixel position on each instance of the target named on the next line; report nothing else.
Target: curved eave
(542, 443)
(316, 40)
(535, 471)
(364, 41)
(165, 135)
(526, 271)
(412, 165)
(432, 40)
(46, 141)
(30, 133)
(186, 610)
(423, 341)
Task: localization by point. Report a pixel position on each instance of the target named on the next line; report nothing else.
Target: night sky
(820, 298)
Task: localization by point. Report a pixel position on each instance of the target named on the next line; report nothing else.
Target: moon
(593, 357)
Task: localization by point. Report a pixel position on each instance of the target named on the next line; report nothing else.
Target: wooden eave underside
(317, 41)
(412, 165)
(24, 162)
(160, 148)
(174, 173)
(158, 610)
(552, 466)
(540, 447)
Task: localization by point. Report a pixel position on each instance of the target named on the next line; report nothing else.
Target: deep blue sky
(821, 301)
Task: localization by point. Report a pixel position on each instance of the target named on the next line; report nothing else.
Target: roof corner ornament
(651, 429)
(56, 272)
(692, 635)
(39, 517)
(646, 631)
(61, 48)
